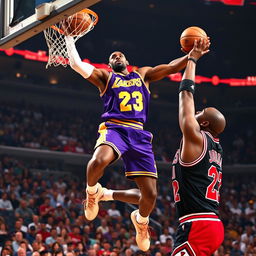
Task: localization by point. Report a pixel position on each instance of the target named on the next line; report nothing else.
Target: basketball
(76, 24)
(188, 37)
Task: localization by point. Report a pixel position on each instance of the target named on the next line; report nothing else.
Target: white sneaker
(142, 234)
(104, 197)
(91, 204)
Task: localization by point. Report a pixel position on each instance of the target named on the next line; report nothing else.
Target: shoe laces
(144, 230)
(90, 201)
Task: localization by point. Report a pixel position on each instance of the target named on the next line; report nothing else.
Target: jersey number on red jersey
(213, 193)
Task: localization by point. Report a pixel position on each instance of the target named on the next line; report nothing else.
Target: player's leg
(131, 196)
(102, 157)
(140, 217)
(148, 189)
(140, 166)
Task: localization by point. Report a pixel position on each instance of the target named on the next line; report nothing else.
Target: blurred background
(49, 120)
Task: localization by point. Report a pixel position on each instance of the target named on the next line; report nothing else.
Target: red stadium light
(229, 2)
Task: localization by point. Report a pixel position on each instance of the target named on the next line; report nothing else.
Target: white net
(76, 25)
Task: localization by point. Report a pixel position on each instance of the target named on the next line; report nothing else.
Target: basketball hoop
(76, 25)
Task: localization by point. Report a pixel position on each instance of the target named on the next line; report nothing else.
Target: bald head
(212, 120)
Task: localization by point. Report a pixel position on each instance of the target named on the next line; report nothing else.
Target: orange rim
(94, 14)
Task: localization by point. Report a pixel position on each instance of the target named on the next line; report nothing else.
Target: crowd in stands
(43, 215)
(42, 127)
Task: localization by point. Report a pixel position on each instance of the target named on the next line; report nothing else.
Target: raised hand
(201, 47)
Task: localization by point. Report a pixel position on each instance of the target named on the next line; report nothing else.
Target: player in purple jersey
(197, 169)
(125, 97)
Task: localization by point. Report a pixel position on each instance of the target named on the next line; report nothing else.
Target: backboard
(22, 19)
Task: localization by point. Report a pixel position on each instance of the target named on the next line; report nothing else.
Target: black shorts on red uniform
(198, 234)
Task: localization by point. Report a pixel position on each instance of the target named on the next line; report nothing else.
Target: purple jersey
(126, 97)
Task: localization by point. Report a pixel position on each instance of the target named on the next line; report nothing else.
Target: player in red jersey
(197, 169)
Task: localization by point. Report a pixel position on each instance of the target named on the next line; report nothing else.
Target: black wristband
(192, 59)
(187, 85)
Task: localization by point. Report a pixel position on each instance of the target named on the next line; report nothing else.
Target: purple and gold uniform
(126, 101)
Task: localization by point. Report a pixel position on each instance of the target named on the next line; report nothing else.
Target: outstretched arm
(192, 137)
(156, 73)
(96, 76)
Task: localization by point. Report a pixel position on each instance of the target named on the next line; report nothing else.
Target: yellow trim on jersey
(142, 80)
(102, 139)
(136, 125)
(141, 173)
(109, 77)
(102, 131)
(127, 121)
(133, 121)
(113, 146)
(125, 125)
(121, 73)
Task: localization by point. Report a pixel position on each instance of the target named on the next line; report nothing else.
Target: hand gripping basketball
(188, 37)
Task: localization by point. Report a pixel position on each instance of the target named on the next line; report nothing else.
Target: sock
(92, 189)
(108, 195)
(142, 220)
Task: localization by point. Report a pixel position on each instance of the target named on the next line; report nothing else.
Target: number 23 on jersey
(126, 97)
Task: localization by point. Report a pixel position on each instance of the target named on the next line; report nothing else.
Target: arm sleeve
(84, 69)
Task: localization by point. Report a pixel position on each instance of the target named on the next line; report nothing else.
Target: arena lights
(214, 80)
(233, 2)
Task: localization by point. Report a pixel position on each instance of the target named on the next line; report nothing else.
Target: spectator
(3, 233)
(43, 232)
(31, 234)
(80, 249)
(70, 248)
(23, 249)
(103, 228)
(235, 209)
(5, 203)
(250, 212)
(60, 213)
(168, 246)
(165, 235)
(39, 243)
(106, 249)
(75, 235)
(235, 251)
(113, 212)
(246, 238)
(56, 246)
(6, 251)
(35, 254)
(24, 212)
(60, 183)
(45, 209)
(17, 240)
(35, 222)
(58, 253)
(70, 254)
(61, 195)
(128, 252)
(49, 241)
(156, 248)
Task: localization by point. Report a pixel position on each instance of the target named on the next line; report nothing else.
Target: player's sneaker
(91, 204)
(142, 234)
(104, 197)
